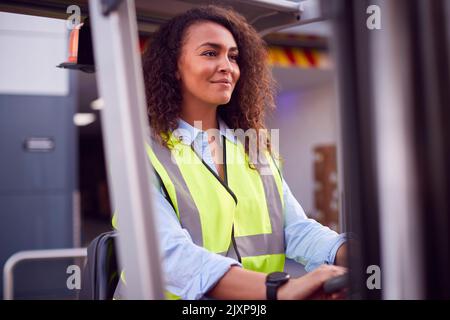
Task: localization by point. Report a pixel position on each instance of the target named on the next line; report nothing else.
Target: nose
(225, 66)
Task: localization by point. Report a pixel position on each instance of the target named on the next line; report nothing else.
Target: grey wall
(305, 117)
(37, 100)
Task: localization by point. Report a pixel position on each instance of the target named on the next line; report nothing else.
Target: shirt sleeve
(189, 271)
(307, 241)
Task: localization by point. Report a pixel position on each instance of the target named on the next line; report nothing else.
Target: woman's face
(208, 67)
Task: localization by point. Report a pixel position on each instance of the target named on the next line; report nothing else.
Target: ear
(177, 75)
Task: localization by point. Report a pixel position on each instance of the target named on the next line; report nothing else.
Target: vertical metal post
(376, 81)
(431, 32)
(397, 177)
(357, 188)
(124, 125)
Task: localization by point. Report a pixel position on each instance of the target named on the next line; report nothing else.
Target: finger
(338, 296)
(331, 272)
(339, 269)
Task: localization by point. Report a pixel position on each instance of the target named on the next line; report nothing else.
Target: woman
(227, 219)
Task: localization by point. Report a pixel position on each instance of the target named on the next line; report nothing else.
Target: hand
(310, 286)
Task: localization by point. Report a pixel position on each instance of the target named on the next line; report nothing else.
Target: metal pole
(397, 177)
(11, 263)
(124, 125)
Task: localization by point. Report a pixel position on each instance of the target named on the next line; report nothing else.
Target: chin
(221, 100)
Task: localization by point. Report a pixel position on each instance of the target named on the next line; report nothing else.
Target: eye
(234, 57)
(209, 53)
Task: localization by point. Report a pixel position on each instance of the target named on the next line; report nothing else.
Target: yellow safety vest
(241, 217)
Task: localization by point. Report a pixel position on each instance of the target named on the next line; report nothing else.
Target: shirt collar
(188, 133)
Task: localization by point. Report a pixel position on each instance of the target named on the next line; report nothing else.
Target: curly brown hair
(254, 92)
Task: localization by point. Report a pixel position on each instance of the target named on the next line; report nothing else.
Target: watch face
(277, 277)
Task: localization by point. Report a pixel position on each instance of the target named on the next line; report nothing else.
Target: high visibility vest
(241, 216)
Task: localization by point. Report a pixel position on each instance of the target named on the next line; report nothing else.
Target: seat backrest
(101, 274)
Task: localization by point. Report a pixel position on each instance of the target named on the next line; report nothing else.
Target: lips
(222, 81)
(224, 85)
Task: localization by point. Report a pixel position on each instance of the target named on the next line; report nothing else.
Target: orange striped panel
(296, 57)
(278, 57)
(300, 58)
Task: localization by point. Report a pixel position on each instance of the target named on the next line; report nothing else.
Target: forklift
(393, 149)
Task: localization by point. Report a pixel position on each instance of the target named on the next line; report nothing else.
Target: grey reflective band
(275, 207)
(267, 243)
(260, 244)
(248, 246)
(189, 215)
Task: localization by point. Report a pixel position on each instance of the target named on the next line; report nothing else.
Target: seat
(101, 274)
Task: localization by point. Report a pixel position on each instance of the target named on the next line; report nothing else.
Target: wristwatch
(275, 280)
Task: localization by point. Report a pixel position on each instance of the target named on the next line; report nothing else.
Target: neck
(197, 111)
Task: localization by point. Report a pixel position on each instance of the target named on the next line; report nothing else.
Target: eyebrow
(215, 45)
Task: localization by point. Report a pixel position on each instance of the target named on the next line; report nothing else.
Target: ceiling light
(97, 104)
(83, 119)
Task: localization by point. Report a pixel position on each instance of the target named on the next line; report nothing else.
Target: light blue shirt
(190, 271)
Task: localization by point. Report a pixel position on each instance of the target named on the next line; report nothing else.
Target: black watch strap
(274, 281)
(271, 291)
